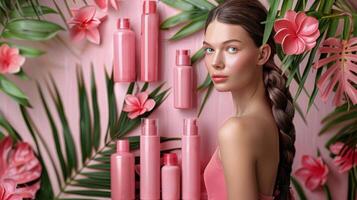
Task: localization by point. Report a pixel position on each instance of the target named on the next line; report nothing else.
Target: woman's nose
(217, 62)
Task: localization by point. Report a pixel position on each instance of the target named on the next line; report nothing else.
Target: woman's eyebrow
(228, 41)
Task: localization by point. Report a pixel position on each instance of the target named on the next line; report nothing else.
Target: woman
(256, 146)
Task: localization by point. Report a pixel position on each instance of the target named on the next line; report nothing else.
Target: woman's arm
(238, 144)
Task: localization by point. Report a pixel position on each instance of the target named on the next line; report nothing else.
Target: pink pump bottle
(191, 162)
(149, 160)
(183, 80)
(122, 172)
(170, 177)
(149, 69)
(124, 52)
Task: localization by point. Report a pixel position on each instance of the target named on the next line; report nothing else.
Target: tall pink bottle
(191, 162)
(183, 80)
(170, 178)
(124, 52)
(122, 172)
(149, 160)
(149, 70)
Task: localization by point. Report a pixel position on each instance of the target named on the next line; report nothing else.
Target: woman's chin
(222, 87)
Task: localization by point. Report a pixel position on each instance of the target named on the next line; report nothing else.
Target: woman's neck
(250, 98)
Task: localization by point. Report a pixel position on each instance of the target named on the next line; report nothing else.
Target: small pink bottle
(183, 80)
(149, 160)
(170, 177)
(191, 162)
(122, 172)
(124, 52)
(149, 70)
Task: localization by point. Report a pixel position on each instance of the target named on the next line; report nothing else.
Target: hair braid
(283, 111)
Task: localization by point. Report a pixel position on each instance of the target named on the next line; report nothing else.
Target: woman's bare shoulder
(246, 129)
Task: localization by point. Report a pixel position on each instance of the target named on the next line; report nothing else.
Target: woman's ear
(264, 54)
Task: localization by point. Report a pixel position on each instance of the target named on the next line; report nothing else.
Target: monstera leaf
(342, 72)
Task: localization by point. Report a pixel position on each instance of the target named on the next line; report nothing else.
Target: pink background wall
(60, 62)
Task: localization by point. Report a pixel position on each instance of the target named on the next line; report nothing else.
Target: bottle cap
(149, 127)
(170, 159)
(123, 23)
(149, 6)
(190, 126)
(123, 146)
(183, 57)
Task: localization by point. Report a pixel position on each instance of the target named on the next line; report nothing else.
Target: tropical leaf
(343, 70)
(179, 4)
(298, 188)
(13, 91)
(31, 29)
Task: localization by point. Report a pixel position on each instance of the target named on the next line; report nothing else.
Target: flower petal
(142, 96)
(308, 26)
(149, 104)
(84, 14)
(114, 4)
(279, 36)
(132, 100)
(290, 45)
(76, 33)
(93, 35)
(283, 23)
(102, 4)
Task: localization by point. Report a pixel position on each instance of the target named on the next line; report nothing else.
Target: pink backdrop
(60, 62)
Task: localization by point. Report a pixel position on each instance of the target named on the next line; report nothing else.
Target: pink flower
(313, 171)
(347, 160)
(10, 59)
(341, 74)
(85, 24)
(8, 190)
(103, 4)
(296, 32)
(138, 104)
(20, 166)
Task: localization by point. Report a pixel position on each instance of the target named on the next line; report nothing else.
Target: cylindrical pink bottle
(191, 162)
(170, 178)
(124, 52)
(149, 160)
(122, 172)
(149, 70)
(183, 80)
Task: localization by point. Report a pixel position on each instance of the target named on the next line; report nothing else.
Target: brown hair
(250, 15)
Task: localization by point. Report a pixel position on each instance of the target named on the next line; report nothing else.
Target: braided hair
(250, 15)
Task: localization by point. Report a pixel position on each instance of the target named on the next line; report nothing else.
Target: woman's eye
(232, 49)
(209, 50)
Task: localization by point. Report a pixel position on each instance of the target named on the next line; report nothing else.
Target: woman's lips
(219, 79)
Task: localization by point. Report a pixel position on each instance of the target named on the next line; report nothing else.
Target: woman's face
(231, 56)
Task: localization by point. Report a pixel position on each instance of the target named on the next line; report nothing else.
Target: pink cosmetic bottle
(183, 80)
(191, 162)
(149, 69)
(124, 52)
(170, 177)
(149, 160)
(122, 172)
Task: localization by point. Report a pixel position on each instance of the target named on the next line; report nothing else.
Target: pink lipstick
(219, 78)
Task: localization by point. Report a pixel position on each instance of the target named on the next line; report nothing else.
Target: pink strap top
(215, 183)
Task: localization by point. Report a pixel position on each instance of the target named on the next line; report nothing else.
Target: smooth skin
(248, 141)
